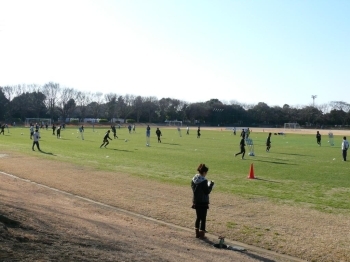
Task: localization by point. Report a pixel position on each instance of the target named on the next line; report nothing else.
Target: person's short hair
(344, 137)
(202, 168)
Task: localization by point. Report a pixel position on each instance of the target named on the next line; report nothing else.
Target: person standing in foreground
(105, 139)
(318, 138)
(36, 140)
(268, 143)
(345, 147)
(242, 146)
(201, 189)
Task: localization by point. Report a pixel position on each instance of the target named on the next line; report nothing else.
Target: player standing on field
(148, 135)
(36, 140)
(318, 138)
(199, 132)
(345, 147)
(58, 132)
(268, 143)
(159, 134)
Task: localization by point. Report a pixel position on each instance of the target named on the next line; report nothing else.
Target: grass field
(296, 170)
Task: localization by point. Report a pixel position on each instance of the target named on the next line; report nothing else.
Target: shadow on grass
(266, 180)
(245, 252)
(121, 150)
(293, 154)
(47, 153)
(274, 162)
(172, 144)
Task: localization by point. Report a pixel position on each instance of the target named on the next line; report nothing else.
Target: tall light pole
(313, 99)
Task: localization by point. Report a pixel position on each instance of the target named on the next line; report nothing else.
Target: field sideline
(295, 174)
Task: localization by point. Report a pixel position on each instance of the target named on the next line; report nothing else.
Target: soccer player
(148, 135)
(318, 138)
(2, 129)
(243, 133)
(31, 130)
(129, 127)
(242, 146)
(105, 139)
(247, 133)
(58, 132)
(53, 129)
(187, 130)
(133, 128)
(345, 147)
(36, 140)
(268, 143)
(114, 130)
(199, 132)
(81, 130)
(159, 134)
(179, 130)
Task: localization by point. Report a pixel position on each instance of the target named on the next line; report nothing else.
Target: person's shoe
(202, 234)
(235, 155)
(197, 233)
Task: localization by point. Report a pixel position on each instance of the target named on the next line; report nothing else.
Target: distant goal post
(291, 127)
(39, 121)
(173, 122)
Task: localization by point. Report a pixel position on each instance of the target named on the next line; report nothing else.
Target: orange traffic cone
(251, 173)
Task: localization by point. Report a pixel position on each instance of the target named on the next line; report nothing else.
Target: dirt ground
(40, 224)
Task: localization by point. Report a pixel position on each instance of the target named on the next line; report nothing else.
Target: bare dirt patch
(55, 224)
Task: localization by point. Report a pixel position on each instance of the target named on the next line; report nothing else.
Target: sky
(272, 51)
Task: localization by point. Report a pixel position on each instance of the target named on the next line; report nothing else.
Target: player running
(268, 143)
(105, 139)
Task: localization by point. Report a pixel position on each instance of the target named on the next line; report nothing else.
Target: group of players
(106, 137)
(35, 135)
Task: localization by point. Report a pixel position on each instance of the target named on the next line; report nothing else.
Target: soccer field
(296, 170)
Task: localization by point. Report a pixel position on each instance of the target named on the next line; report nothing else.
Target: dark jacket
(201, 190)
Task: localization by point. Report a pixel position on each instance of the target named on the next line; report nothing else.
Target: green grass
(296, 170)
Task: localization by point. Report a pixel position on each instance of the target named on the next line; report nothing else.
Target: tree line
(53, 101)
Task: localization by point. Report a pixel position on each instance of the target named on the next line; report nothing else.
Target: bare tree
(66, 103)
(51, 91)
(97, 100)
(8, 92)
(111, 103)
(138, 105)
(83, 99)
(150, 105)
(340, 105)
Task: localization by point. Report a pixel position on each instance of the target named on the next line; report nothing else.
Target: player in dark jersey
(159, 134)
(318, 138)
(242, 146)
(105, 139)
(268, 143)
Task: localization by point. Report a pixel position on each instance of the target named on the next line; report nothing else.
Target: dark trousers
(242, 151)
(345, 152)
(37, 145)
(201, 213)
